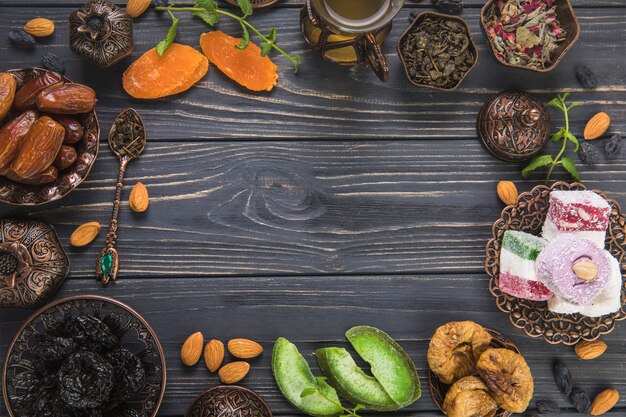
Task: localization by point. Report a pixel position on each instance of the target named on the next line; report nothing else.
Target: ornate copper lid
(229, 401)
(514, 126)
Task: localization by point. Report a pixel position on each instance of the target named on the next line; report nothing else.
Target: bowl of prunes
(84, 356)
(49, 135)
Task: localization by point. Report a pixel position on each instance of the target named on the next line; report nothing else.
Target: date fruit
(73, 129)
(11, 138)
(26, 96)
(67, 99)
(46, 176)
(67, 156)
(8, 85)
(41, 146)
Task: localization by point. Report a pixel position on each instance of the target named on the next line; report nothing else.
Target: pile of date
(38, 126)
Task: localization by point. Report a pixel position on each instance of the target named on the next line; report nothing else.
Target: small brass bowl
(87, 148)
(569, 22)
(417, 22)
(228, 401)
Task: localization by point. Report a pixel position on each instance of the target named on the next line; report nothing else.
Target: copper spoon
(127, 139)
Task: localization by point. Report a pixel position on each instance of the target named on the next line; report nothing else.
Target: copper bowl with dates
(45, 106)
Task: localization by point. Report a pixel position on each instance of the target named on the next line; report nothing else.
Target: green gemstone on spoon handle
(127, 139)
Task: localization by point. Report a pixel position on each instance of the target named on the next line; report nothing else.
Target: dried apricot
(245, 66)
(154, 76)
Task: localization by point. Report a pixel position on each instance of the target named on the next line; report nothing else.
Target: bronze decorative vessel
(514, 126)
(33, 263)
(87, 148)
(528, 215)
(438, 389)
(135, 333)
(228, 401)
(101, 32)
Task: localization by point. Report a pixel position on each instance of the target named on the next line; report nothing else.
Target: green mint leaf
(575, 104)
(573, 139)
(558, 135)
(271, 36)
(209, 5)
(210, 18)
(357, 408)
(555, 102)
(321, 380)
(564, 97)
(245, 38)
(570, 166)
(265, 48)
(308, 391)
(246, 7)
(298, 59)
(537, 162)
(169, 38)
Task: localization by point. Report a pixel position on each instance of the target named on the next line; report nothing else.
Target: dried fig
(26, 96)
(469, 397)
(73, 129)
(455, 348)
(508, 377)
(67, 156)
(12, 138)
(46, 176)
(41, 146)
(8, 85)
(67, 99)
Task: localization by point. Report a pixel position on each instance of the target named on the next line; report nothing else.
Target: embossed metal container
(87, 149)
(228, 401)
(33, 263)
(528, 215)
(514, 126)
(101, 32)
(136, 335)
(438, 389)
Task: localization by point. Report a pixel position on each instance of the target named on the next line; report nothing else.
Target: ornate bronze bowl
(32, 195)
(528, 215)
(229, 401)
(438, 389)
(136, 336)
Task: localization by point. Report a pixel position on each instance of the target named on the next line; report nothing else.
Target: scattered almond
(597, 126)
(507, 191)
(244, 348)
(135, 8)
(39, 27)
(590, 350)
(604, 402)
(586, 270)
(192, 349)
(138, 199)
(85, 234)
(234, 372)
(214, 354)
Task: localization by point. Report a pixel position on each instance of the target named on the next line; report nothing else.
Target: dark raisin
(449, 6)
(586, 77)
(95, 335)
(613, 146)
(128, 371)
(85, 380)
(563, 377)
(21, 39)
(580, 400)
(548, 407)
(588, 153)
(51, 348)
(52, 62)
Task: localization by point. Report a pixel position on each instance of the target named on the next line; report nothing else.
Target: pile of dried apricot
(154, 76)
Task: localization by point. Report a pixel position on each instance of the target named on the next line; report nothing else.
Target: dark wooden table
(333, 201)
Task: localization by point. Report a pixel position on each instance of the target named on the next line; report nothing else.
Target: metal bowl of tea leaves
(437, 51)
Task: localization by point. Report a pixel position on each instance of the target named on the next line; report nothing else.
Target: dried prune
(469, 396)
(580, 400)
(93, 334)
(588, 153)
(52, 62)
(455, 348)
(449, 6)
(129, 373)
(40, 147)
(563, 377)
(613, 146)
(21, 39)
(586, 77)
(548, 407)
(85, 380)
(51, 348)
(508, 377)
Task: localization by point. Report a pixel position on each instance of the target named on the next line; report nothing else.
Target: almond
(192, 349)
(507, 191)
(590, 350)
(85, 234)
(138, 199)
(214, 354)
(234, 372)
(244, 348)
(586, 270)
(135, 8)
(604, 402)
(39, 27)
(597, 126)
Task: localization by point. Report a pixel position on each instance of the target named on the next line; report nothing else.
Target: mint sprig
(209, 12)
(321, 381)
(562, 135)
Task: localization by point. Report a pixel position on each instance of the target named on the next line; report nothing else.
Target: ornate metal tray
(438, 389)
(87, 149)
(528, 215)
(228, 401)
(135, 333)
